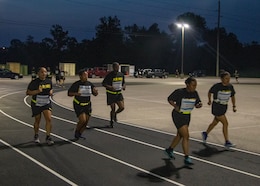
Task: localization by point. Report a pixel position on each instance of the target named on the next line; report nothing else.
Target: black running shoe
(111, 124)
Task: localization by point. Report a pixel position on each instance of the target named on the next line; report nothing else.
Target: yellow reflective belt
(81, 104)
(111, 92)
(33, 100)
(185, 112)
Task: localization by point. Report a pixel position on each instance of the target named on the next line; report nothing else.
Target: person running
(49, 74)
(82, 90)
(41, 89)
(183, 100)
(57, 75)
(33, 73)
(62, 78)
(236, 74)
(221, 93)
(114, 82)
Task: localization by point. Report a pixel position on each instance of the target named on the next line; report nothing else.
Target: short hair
(224, 73)
(81, 71)
(189, 80)
(39, 69)
(115, 64)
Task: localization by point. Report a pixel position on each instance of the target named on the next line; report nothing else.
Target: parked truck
(157, 73)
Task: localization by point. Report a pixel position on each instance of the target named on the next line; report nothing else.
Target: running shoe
(187, 161)
(204, 137)
(49, 141)
(111, 124)
(169, 153)
(77, 135)
(115, 117)
(36, 138)
(228, 144)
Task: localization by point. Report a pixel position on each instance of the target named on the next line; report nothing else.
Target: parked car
(98, 72)
(142, 72)
(157, 73)
(5, 73)
(198, 73)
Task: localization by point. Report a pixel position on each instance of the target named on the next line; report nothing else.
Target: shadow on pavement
(208, 151)
(167, 171)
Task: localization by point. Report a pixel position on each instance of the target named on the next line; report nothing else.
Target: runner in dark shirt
(221, 93)
(82, 90)
(114, 83)
(49, 74)
(41, 89)
(57, 75)
(33, 73)
(183, 100)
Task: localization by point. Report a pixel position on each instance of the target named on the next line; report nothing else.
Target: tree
(108, 43)
(148, 48)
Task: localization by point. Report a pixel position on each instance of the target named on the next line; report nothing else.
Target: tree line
(140, 46)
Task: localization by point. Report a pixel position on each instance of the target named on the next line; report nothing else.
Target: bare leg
(48, 126)
(212, 125)
(36, 125)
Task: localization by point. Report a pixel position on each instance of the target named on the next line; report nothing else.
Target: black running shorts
(37, 110)
(180, 119)
(113, 98)
(218, 109)
(82, 109)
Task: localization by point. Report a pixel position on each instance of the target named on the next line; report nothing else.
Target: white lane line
(96, 152)
(161, 148)
(39, 163)
(154, 130)
(154, 146)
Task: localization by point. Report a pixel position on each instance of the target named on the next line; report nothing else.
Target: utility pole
(217, 62)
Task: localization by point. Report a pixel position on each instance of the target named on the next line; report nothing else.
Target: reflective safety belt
(185, 112)
(81, 104)
(220, 102)
(111, 92)
(33, 100)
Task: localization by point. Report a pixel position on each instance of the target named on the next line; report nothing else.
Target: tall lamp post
(182, 26)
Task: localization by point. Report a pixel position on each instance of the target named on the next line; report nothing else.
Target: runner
(57, 75)
(236, 74)
(82, 90)
(221, 93)
(41, 89)
(114, 82)
(49, 74)
(183, 100)
(33, 73)
(62, 78)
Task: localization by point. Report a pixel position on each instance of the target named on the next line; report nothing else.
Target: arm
(173, 103)
(209, 98)
(106, 85)
(95, 91)
(33, 92)
(73, 94)
(72, 91)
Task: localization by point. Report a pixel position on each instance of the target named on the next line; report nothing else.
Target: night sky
(20, 18)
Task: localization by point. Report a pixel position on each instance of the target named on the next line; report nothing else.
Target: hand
(234, 109)
(209, 102)
(40, 88)
(95, 91)
(199, 105)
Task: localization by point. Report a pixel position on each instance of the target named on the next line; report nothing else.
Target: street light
(182, 26)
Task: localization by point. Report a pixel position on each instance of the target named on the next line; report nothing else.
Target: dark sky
(20, 18)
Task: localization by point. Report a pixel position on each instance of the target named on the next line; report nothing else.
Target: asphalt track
(132, 152)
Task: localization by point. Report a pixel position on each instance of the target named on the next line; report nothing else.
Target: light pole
(182, 26)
